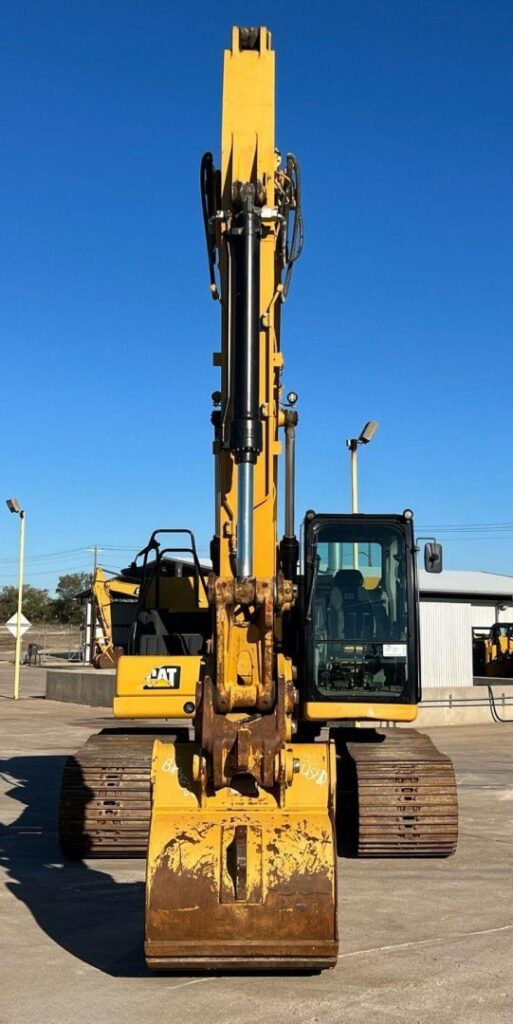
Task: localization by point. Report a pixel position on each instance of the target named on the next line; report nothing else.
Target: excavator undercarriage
(396, 795)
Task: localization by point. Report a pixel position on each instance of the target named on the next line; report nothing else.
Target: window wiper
(308, 613)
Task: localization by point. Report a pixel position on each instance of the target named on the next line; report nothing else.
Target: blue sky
(401, 308)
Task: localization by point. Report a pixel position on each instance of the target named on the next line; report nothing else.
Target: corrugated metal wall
(486, 614)
(446, 643)
(446, 638)
(483, 615)
(506, 615)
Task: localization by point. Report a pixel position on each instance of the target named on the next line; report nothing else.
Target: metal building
(451, 604)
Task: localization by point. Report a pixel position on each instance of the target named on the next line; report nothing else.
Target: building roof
(205, 566)
(468, 583)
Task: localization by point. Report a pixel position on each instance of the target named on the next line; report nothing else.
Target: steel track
(105, 800)
(397, 796)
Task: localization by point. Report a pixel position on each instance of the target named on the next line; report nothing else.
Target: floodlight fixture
(368, 431)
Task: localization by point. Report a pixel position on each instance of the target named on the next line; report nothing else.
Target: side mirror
(433, 561)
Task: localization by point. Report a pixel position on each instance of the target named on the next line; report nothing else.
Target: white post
(17, 656)
(354, 494)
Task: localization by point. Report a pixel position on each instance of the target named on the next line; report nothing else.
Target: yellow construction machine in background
(286, 653)
(105, 590)
(119, 599)
(493, 650)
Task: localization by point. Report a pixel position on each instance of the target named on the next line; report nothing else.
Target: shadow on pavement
(80, 907)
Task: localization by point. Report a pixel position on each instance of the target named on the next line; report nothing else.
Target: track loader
(295, 667)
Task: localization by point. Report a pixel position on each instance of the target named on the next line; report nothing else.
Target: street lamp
(353, 444)
(14, 506)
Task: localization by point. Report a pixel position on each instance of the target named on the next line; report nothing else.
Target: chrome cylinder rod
(290, 472)
(245, 520)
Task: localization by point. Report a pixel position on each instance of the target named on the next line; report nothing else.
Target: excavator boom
(237, 818)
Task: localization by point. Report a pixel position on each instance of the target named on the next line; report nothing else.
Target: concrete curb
(94, 687)
(444, 705)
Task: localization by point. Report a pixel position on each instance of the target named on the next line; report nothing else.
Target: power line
(48, 572)
(481, 539)
(49, 555)
(480, 530)
(463, 527)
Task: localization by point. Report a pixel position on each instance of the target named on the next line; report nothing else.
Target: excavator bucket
(234, 881)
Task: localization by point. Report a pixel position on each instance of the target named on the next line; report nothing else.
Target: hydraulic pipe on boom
(289, 546)
(246, 426)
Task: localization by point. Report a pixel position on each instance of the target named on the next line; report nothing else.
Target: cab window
(360, 614)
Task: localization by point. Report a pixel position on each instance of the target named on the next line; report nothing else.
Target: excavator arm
(241, 860)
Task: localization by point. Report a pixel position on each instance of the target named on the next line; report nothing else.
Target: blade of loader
(233, 880)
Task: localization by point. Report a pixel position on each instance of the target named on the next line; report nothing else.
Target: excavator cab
(173, 616)
(360, 605)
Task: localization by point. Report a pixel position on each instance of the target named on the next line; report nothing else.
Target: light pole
(14, 506)
(353, 444)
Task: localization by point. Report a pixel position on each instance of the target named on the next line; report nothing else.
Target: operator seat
(350, 613)
(379, 603)
(160, 631)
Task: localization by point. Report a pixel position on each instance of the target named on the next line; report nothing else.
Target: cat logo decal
(163, 677)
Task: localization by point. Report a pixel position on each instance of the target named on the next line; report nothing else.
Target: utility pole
(95, 552)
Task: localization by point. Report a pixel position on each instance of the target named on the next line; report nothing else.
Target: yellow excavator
(282, 675)
(493, 650)
(105, 591)
(116, 605)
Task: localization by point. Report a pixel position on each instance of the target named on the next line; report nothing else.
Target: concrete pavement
(422, 942)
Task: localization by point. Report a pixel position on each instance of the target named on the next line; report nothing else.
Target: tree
(65, 606)
(37, 606)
